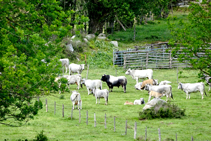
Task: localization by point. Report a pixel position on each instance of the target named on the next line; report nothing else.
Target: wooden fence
(105, 118)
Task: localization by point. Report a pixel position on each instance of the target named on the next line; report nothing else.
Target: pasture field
(196, 123)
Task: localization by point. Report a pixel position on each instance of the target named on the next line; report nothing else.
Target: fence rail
(148, 58)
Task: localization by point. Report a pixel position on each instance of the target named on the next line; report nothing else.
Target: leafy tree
(30, 30)
(192, 38)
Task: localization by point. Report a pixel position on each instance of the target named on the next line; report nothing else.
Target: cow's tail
(171, 94)
(204, 90)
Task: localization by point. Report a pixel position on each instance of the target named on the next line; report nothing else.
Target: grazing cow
(91, 84)
(149, 82)
(191, 88)
(163, 89)
(115, 81)
(65, 63)
(155, 95)
(76, 68)
(208, 80)
(128, 103)
(136, 74)
(138, 86)
(165, 82)
(139, 101)
(101, 94)
(76, 99)
(71, 79)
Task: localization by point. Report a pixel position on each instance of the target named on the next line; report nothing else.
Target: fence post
(170, 60)
(126, 127)
(105, 120)
(94, 120)
(62, 110)
(114, 125)
(54, 107)
(86, 117)
(176, 136)
(147, 58)
(125, 62)
(135, 128)
(46, 104)
(191, 138)
(79, 115)
(146, 133)
(87, 72)
(159, 134)
(72, 113)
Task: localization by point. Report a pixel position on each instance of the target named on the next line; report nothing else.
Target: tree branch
(120, 23)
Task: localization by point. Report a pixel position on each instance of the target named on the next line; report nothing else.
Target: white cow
(138, 86)
(165, 82)
(140, 74)
(91, 84)
(65, 63)
(76, 68)
(71, 79)
(76, 99)
(191, 88)
(101, 94)
(163, 89)
(208, 78)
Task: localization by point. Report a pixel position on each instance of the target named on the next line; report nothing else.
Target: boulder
(101, 36)
(152, 103)
(115, 43)
(70, 47)
(90, 36)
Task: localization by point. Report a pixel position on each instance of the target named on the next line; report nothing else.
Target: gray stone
(115, 43)
(152, 103)
(70, 47)
(90, 36)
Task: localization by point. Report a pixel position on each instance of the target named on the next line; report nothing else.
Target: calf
(137, 74)
(149, 82)
(139, 101)
(76, 99)
(101, 94)
(76, 68)
(138, 86)
(191, 88)
(128, 103)
(165, 82)
(115, 81)
(163, 89)
(65, 63)
(91, 84)
(154, 94)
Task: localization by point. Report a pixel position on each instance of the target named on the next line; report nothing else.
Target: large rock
(70, 47)
(152, 103)
(115, 43)
(101, 36)
(90, 36)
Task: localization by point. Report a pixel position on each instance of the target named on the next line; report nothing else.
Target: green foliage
(192, 38)
(61, 97)
(162, 110)
(41, 137)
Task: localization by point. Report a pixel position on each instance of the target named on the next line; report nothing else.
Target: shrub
(162, 110)
(41, 137)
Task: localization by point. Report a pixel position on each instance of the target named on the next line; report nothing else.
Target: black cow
(115, 81)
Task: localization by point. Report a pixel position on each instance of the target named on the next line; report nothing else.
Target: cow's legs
(124, 86)
(73, 105)
(136, 80)
(202, 95)
(96, 100)
(189, 95)
(88, 90)
(149, 98)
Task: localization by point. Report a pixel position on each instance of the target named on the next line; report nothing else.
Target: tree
(30, 30)
(192, 38)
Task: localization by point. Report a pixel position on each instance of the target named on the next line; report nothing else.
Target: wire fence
(117, 124)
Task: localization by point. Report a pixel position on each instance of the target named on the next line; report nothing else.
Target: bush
(41, 137)
(162, 110)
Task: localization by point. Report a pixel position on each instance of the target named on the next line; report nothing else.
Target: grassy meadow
(195, 124)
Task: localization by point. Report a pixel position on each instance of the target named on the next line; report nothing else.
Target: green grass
(196, 123)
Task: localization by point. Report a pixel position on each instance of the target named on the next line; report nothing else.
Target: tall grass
(196, 123)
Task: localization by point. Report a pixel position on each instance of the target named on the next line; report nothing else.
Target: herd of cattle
(151, 85)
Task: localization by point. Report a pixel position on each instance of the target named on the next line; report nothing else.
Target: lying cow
(76, 68)
(138, 86)
(76, 99)
(155, 95)
(91, 84)
(139, 101)
(101, 94)
(191, 88)
(149, 82)
(115, 81)
(65, 63)
(128, 103)
(165, 82)
(163, 89)
(140, 74)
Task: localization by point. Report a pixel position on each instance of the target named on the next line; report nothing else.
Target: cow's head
(147, 87)
(128, 71)
(179, 85)
(104, 77)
